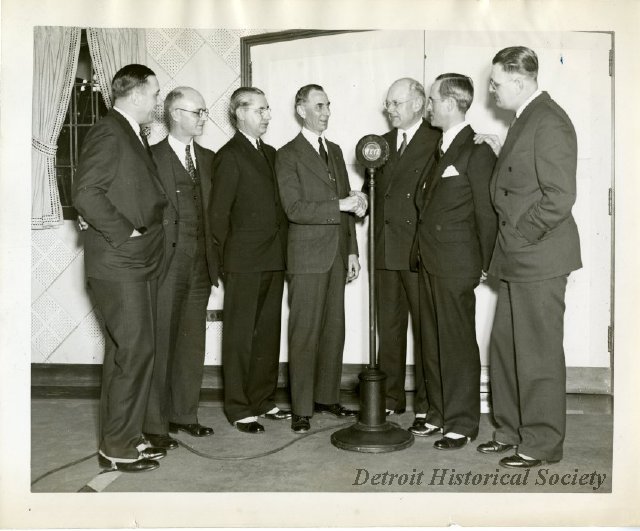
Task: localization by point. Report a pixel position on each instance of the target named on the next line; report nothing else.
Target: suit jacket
(396, 183)
(168, 167)
(533, 189)
(117, 189)
(247, 220)
(318, 231)
(457, 224)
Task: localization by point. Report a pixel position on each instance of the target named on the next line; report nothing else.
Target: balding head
(185, 113)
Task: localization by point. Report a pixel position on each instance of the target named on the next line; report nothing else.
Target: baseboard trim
(65, 378)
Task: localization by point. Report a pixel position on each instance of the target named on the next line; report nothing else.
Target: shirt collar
(134, 125)
(252, 140)
(179, 149)
(450, 134)
(529, 100)
(312, 138)
(410, 132)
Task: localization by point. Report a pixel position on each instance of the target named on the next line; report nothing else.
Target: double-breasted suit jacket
(117, 191)
(397, 293)
(321, 238)
(456, 233)
(250, 229)
(183, 293)
(533, 189)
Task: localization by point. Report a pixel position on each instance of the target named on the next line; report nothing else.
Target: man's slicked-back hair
(303, 93)
(459, 87)
(169, 101)
(518, 59)
(240, 98)
(128, 78)
(416, 89)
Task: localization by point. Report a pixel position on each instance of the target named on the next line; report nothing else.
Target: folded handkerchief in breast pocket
(450, 171)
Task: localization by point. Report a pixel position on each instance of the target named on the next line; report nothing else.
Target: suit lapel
(203, 162)
(135, 141)
(311, 159)
(516, 129)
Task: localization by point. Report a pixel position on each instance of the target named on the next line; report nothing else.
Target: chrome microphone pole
(373, 433)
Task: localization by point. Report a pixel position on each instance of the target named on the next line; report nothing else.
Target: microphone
(372, 151)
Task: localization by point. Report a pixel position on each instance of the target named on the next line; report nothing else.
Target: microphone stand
(372, 433)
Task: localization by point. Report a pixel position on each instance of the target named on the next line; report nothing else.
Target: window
(86, 107)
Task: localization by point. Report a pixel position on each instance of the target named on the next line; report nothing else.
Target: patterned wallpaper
(65, 328)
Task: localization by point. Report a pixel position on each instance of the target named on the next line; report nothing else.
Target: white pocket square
(450, 171)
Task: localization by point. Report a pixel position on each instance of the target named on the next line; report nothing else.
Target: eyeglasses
(394, 104)
(494, 86)
(262, 111)
(203, 114)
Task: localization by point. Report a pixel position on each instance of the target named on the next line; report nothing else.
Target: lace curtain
(111, 49)
(55, 61)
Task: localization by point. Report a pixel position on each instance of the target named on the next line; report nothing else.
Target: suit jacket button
(387, 221)
(509, 168)
(503, 223)
(175, 221)
(387, 196)
(408, 196)
(506, 193)
(173, 244)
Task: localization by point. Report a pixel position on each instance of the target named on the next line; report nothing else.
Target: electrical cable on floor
(198, 453)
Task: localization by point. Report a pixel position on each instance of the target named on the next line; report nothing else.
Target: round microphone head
(372, 151)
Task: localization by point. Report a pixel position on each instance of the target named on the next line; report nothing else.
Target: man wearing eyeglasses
(533, 189)
(412, 142)
(322, 257)
(250, 230)
(185, 169)
(456, 234)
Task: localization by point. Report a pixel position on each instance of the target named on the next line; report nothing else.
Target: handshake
(355, 202)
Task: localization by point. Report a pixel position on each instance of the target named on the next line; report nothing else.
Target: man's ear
(301, 111)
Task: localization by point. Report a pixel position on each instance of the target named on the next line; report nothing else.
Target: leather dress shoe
(281, 414)
(420, 428)
(141, 465)
(335, 409)
(517, 461)
(449, 443)
(300, 424)
(153, 453)
(197, 430)
(249, 427)
(161, 441)
(395, 411)
(494, 447)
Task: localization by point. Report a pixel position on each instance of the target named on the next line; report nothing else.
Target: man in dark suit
(533, 189)
(412, 142)
(190, 268)
(456, 234)
(118, 193)
(250, 229)
(322, 255)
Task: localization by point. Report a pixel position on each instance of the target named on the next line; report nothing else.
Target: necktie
(323, 152)
(190, 166)
(144, 133)
(261, 149)
(403, 146)
(439, 153)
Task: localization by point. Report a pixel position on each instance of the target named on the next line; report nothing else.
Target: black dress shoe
(153, 453)
(281, 414)
(300, 424)
(335, 409)
(517, 461)
(494, 447)
(449, 443)
(420, 428)
(395, 411)
(141, 465)
(161, 441)
(197, 430)
(249, 427)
